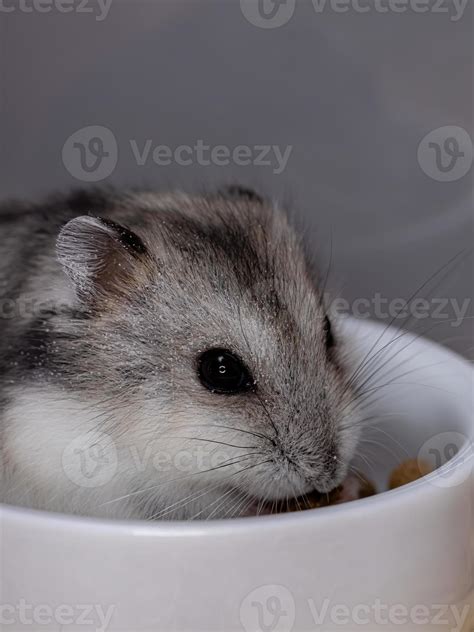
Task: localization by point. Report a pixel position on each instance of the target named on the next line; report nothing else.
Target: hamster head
(201, 335)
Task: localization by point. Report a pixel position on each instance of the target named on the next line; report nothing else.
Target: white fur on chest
(58, 453)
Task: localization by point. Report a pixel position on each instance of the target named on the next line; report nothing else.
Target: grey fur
(117, 319)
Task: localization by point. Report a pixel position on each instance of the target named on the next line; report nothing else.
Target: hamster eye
(221, 371)
(330, 342)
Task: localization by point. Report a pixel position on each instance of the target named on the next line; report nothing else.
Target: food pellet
(409, 471)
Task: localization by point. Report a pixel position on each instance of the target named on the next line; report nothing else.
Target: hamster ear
(99, 256)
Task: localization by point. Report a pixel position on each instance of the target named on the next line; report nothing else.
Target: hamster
(166, 356)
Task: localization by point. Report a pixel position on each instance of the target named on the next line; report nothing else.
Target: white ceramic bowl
(401, 560)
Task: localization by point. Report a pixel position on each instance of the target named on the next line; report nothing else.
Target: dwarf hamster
(165, 356)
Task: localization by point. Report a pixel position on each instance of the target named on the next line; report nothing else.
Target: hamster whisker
(424, 332)
(368, 361)
(234, 461)
(297, 501)
(274, 426)
(385, 361)
(248, 500)
(242, 507)
(304, 498)
(361, 377)
(364, 378)
(182, 502)
(263, 499)
(378, 419)
(354, 470)
(192, 497)
(401, 364)
(392, 438)
(230, 445)
(368, 356)
(249, 432)
(380, 445)
(392, 357)
(362, 396)
(386, 347)
(222, 500)
(366, 398)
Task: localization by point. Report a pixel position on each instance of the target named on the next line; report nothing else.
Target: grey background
(353, 94)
